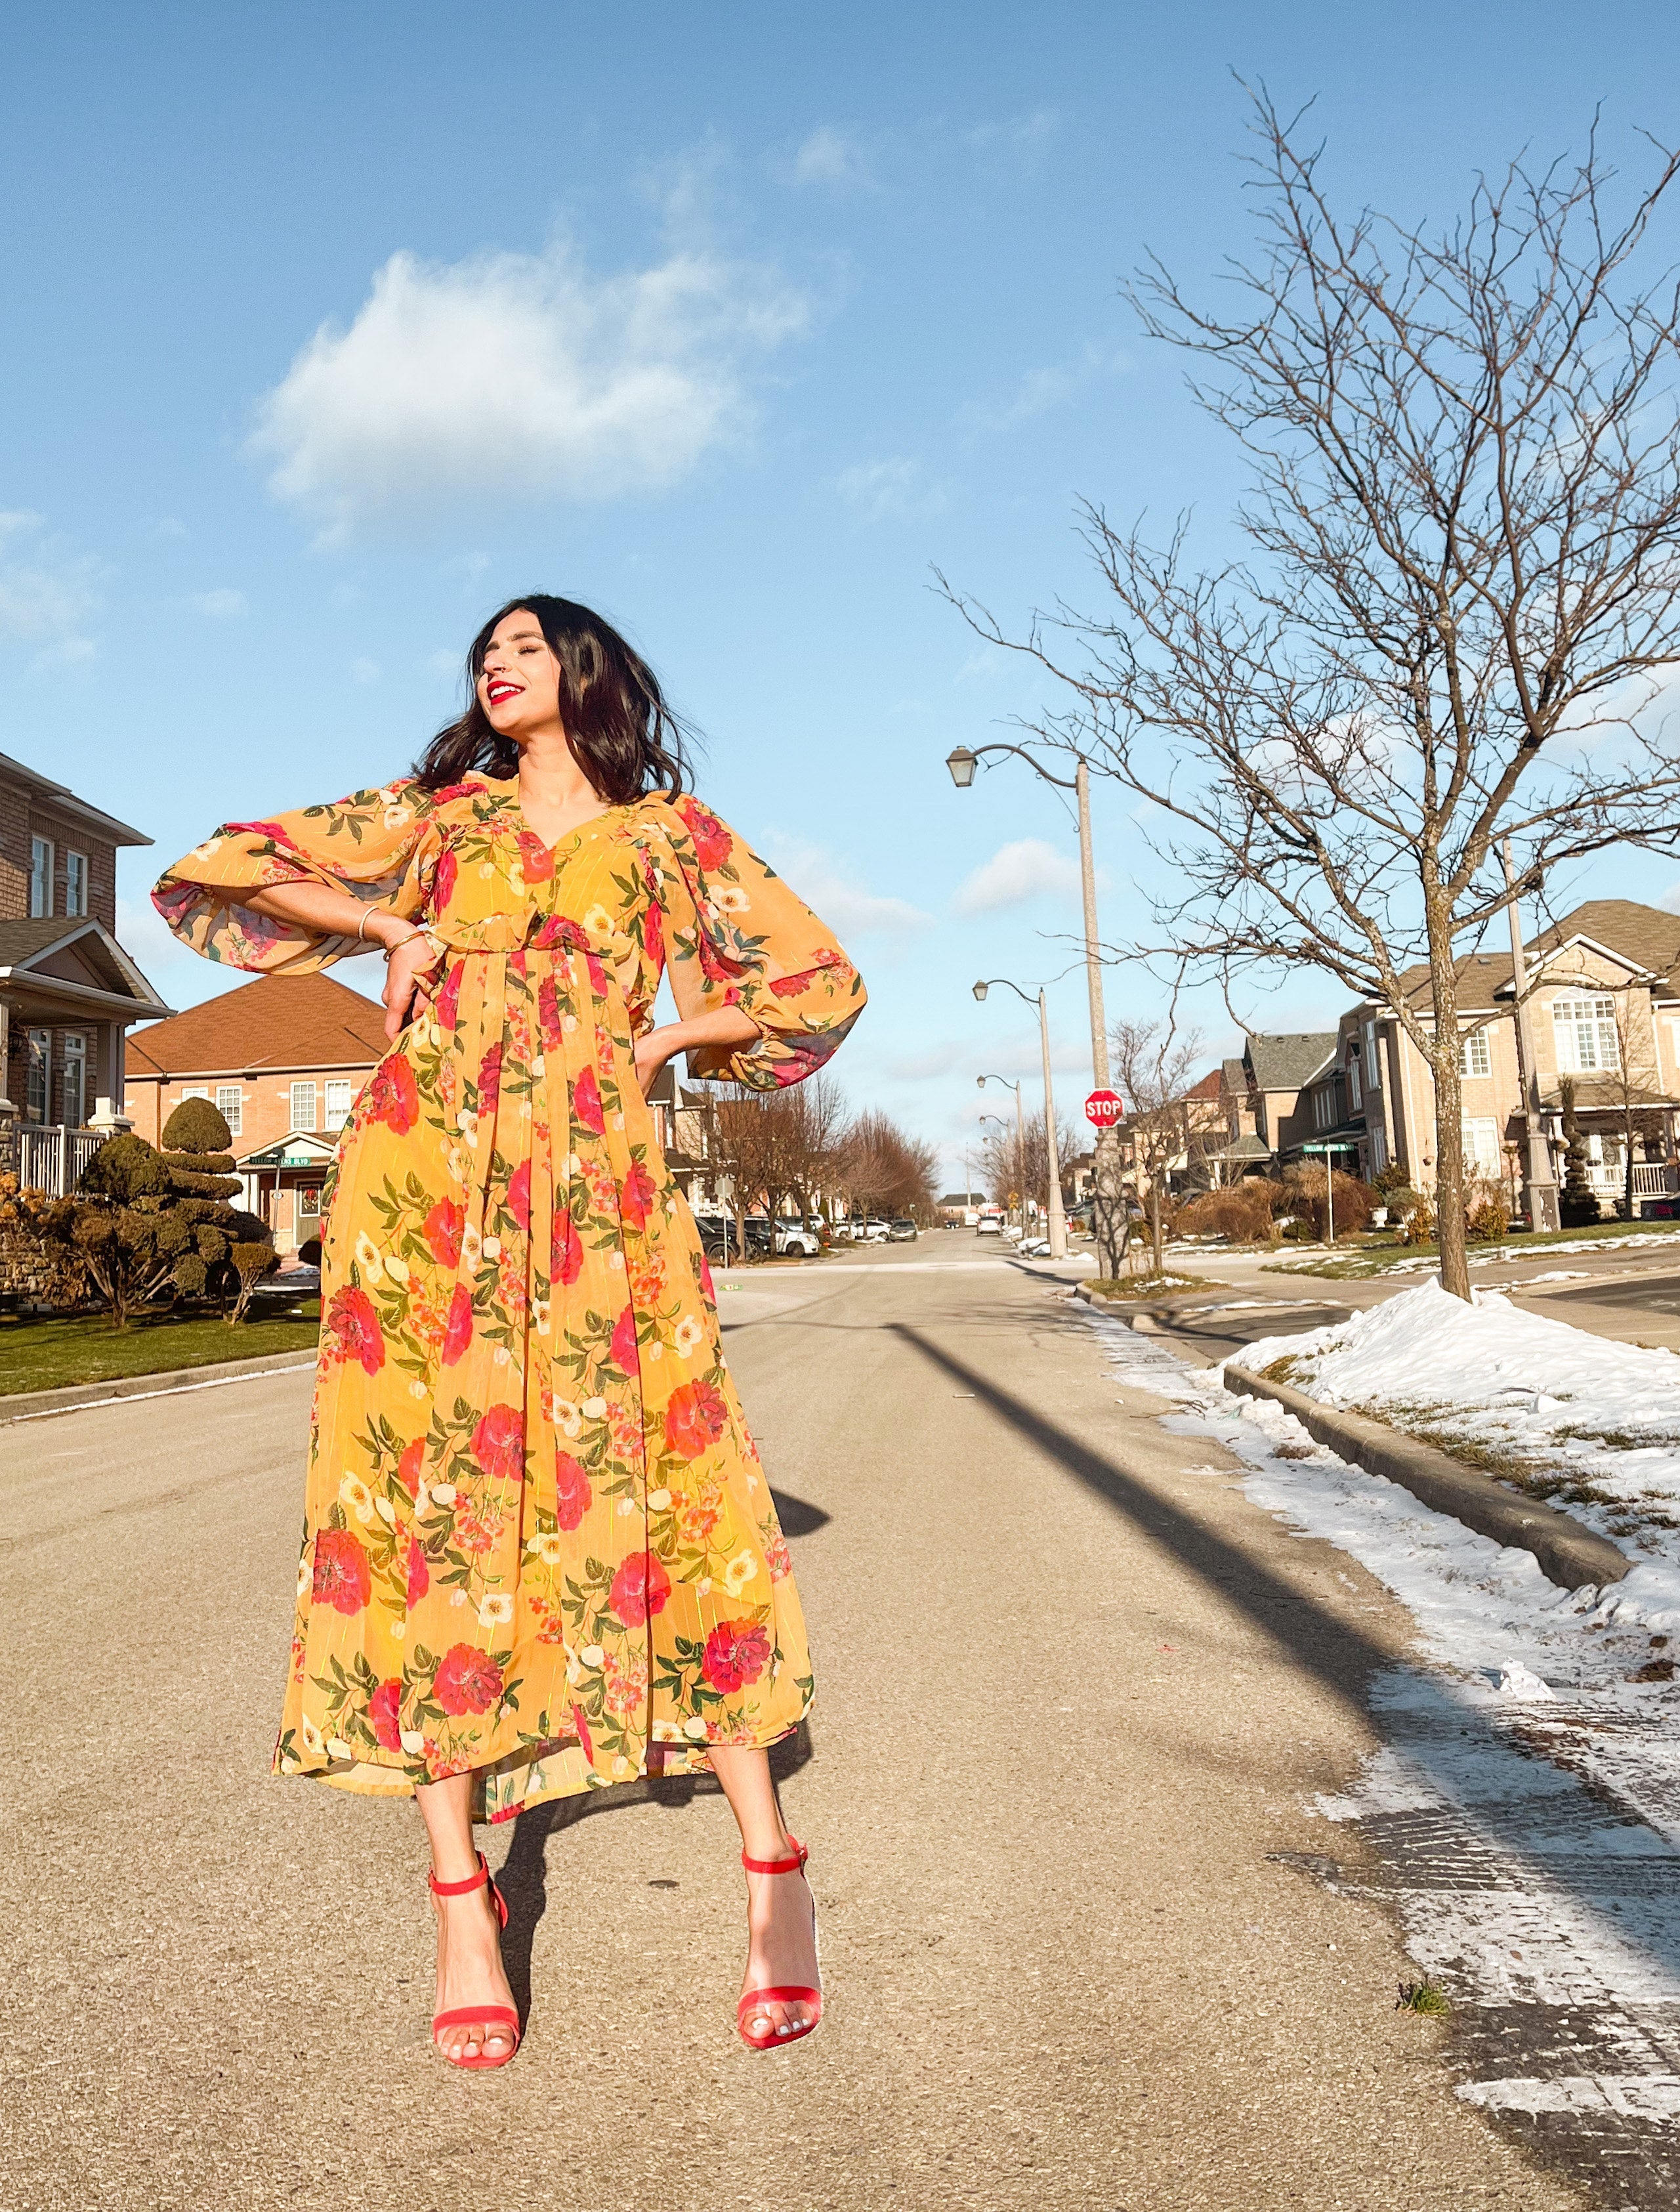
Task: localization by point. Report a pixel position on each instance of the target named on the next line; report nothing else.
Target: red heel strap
(795, 1865)
(459, 1888)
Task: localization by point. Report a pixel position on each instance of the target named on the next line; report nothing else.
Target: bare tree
(1153, 1061)
(884, 1168)
(1461, 592)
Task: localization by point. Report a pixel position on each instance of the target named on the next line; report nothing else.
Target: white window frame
(1355, 1096)
(1373, 1057)
(38, 1075)
(296, 1108)
(76, 883)
(1475, 1059)
(230, 1104)
(43, 866)
(1489, 1160)
(74, 1057)
(1588, 1016)
(338, 1097)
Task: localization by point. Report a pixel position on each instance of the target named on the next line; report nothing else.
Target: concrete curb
(30, 1405)
(1568, 1554)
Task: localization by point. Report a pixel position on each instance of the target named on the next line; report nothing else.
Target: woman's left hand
(653, 1048)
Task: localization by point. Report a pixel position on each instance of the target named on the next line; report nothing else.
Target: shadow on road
(524, 1874)
(797, 1517)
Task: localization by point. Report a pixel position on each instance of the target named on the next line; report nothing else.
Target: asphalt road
(1073, 1692)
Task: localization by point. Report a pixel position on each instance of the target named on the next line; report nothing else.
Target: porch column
(8, 1111)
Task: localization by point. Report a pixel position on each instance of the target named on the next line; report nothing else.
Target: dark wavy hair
(622, 735)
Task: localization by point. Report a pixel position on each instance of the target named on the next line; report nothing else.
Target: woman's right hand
(408, 992)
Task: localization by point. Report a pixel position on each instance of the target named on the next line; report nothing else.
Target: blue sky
(332, 326)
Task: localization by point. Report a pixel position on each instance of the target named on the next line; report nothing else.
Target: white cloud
(1014, 874)
(829, 156)
(877, 489)
(1041, 390)
(1671, 899)
(938, 1059)
(220, 606)
(849, 910)
(45, 595)
(519, 377)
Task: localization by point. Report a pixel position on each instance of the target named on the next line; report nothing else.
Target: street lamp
(1059, 1235)
(963, 762)
(1020, 1134)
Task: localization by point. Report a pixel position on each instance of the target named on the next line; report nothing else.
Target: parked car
(901, 1232)
(716, 1234)
(792, 1237)
(875, 1232)
(991, 1222)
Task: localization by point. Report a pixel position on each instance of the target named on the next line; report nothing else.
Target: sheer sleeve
(380, 846)
(738, 937)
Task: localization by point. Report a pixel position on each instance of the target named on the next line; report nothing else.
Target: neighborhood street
(1077, 1696)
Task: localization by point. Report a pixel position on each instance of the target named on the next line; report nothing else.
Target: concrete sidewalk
(1071, 1697)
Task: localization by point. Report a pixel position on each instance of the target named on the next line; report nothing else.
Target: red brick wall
(24, 815)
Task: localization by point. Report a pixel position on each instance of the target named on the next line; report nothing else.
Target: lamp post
(1059, 1235)
(1539, 1184)
(1020, 1134)
(1105, 1210)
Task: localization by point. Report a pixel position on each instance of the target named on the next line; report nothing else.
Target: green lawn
(1373, 1258)
(48, 1355)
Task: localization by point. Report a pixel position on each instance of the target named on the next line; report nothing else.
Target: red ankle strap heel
(484, 2016)
(784, 1993)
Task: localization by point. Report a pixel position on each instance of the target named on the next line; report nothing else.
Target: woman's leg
(469, 1969)
(781, 1932)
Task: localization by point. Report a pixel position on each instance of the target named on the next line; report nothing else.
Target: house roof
(77, 959)
(1244, 1148)
(1211, 1086)
(1233, 1075)
(277, 1021)
(1646, 934)
(106, 825)
(1288, 1061)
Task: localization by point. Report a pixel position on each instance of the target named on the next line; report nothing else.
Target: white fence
(51, 1158)
(1651, 1178)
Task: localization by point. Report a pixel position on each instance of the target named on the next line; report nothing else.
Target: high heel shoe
(786, 1993)
(484, 2016)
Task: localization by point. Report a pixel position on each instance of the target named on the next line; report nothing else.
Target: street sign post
(1104, 1108)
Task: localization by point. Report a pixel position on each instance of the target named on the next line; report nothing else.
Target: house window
(76, 1079)
(38, 1077)
(1585, 1030)
(1482, 1145)
(1473, 1053)
(40, 875)
(1353, 1078)
(230, 1104)
(309, 1201)
(1373, 1063)
(303, 1105)
(1378, 1151)
(340, 1097)
(76, 883)
(1323, 1106)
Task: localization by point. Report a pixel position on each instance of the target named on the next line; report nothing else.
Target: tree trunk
(1154, 1223)
(1450, 1172)
(1108, 1205)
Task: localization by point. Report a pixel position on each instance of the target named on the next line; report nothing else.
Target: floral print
(538, 1541)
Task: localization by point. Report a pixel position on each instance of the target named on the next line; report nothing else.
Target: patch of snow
(1517, 1681)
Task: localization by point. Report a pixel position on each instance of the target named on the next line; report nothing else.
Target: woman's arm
(409, 954)
(728, 1025)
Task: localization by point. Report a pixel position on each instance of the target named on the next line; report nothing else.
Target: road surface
(1073, 1697)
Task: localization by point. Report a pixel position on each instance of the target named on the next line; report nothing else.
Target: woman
(540, 1554)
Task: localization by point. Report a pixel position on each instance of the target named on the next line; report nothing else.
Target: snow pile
(1591, 1426)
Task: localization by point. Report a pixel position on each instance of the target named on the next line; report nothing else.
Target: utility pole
(1107, 1206)
(1539, 1185)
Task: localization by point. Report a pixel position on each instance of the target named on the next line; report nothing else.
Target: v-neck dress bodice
(538, 1541)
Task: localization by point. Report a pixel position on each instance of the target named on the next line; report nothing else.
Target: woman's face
(518, 685)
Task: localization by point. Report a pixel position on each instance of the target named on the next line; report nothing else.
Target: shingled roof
(1285, 1062)
(278, 1021)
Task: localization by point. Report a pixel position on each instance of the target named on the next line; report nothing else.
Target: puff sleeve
(737, 936)
(380, 846)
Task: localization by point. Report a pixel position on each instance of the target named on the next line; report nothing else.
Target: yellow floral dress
(538, 1541)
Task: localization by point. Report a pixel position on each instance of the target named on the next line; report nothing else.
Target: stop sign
(1105, 1108)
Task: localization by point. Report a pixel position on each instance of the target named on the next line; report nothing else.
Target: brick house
(1604, 1011)
(68, 990)
(283, 1058)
